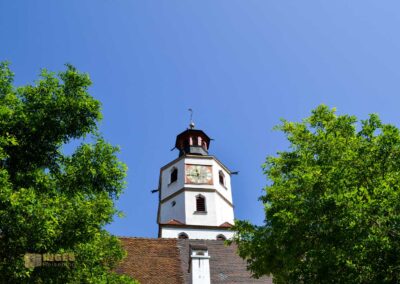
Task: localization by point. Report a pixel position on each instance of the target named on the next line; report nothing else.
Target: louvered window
(200, 203)
(174, 175)
(221, 178)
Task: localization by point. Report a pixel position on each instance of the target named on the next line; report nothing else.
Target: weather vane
(191, 125)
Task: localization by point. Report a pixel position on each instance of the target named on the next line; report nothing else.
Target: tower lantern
(192, 141)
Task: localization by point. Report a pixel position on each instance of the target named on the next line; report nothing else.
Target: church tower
(195, 196)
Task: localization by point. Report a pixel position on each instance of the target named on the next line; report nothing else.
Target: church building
(195, 216)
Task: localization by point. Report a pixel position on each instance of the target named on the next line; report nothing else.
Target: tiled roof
(174, 222)
(154, 261)
(226, 225)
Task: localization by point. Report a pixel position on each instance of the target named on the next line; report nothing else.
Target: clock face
(199, 174)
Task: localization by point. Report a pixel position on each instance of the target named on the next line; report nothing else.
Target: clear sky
(240, 64)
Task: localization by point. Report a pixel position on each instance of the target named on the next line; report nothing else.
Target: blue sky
(241, 65)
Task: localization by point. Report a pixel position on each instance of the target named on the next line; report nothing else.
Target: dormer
(200, 264)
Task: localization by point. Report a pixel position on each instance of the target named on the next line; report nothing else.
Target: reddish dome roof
(192, 141)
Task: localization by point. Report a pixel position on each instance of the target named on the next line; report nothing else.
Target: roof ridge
(141, 238)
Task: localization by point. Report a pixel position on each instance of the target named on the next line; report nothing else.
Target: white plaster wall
(168, 212)
(224, 211)
(202, 234)
(204, 219)
(200, 268)
(168, 188)
(216, 167)
(224, 190)
(218, 210)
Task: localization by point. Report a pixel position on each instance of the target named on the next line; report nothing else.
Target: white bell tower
(195, 196)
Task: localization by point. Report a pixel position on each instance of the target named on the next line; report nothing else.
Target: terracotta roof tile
(226, 225)
(174, 222)
(153, 261)
(166, 261)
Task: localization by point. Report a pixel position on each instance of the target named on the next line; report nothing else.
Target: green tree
(332, 204)
(51, 202)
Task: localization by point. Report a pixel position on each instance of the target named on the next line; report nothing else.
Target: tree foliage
(51, 202)
(332, 204)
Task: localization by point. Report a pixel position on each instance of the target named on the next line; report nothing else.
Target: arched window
(221, 237)
(174, 175)
(195, 141)
(183, 236)
(221, 178)
(200, 203)
(186, 144)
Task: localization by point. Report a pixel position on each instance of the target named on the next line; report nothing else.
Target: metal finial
(191, 125)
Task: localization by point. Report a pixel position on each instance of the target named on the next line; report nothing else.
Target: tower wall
(200, 181)
(224, 212)
(208, 218)
(216, 166)
(177, 212)
(168, 188)
(194, 233)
